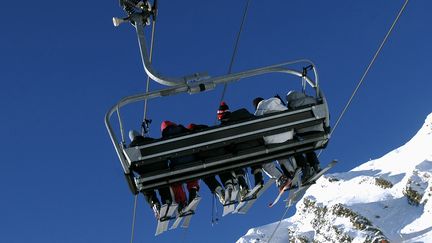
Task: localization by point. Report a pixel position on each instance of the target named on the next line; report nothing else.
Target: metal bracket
(196, 77)
(138, 183)
(200, 87)
(142, 10)
(145, 125)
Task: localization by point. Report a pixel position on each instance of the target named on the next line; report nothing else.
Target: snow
(386, 198)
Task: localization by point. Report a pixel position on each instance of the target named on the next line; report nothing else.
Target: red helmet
(191, 126)
(166, 124)
(223, 108)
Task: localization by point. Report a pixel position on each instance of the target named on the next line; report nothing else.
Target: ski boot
(193, 193)
(156, 210)
(243, 192)
(220, 194)
(258, 177)
(283, 183)
(308, 172)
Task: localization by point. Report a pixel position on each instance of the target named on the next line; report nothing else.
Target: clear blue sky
(63, 64)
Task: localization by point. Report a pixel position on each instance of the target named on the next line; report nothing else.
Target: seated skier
(285, 174)
(225, 117)
(169, 129)
(212, 183)
(296, 100)
(150, 196)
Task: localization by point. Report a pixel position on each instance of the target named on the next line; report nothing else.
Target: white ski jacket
(270, 106)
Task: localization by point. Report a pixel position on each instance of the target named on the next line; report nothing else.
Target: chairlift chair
(148, 166)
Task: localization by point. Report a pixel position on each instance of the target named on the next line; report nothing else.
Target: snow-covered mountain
(382, 200)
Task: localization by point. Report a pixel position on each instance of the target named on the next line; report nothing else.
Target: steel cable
(133, 218)
(235, 48)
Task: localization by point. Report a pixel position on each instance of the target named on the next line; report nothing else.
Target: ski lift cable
(184, 236)
(353, 94)
(133, 218)
(234, 54)
(277, 226)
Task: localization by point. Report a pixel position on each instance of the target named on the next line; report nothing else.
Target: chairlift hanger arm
(139, 15)
(170, 81)
(167, 81)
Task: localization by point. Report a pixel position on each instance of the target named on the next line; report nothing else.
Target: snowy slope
(382, 200)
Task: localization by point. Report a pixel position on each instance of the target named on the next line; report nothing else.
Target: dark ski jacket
(172, 131)
(140, 140)
(236, 116)
(205, 154)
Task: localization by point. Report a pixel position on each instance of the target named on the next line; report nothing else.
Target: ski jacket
(236, 116)
(174, 130)
(297, 100)
(270, 106)
(140, 140)
(177, 130)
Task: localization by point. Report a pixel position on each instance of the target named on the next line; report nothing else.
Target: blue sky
(63, 65)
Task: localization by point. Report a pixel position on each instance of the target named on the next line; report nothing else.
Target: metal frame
(257, 156)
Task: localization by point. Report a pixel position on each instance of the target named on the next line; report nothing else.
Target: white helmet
(133, 134)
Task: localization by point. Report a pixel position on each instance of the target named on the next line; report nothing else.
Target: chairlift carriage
(148, 166)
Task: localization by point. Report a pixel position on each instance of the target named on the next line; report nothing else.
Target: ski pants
(151, 198)
(179, 193)
(256, 171)
(165, 194)
(312, 159)
(226, 178)
(211, 183)
(307, 159)
(287, 166)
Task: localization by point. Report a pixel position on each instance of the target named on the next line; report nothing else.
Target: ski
(166, 214)
(252, 194)
(187, 212)
(230, 200)
(187, 218)
(244, 206)
(300, 191)
(296, 195)
(295, 179)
